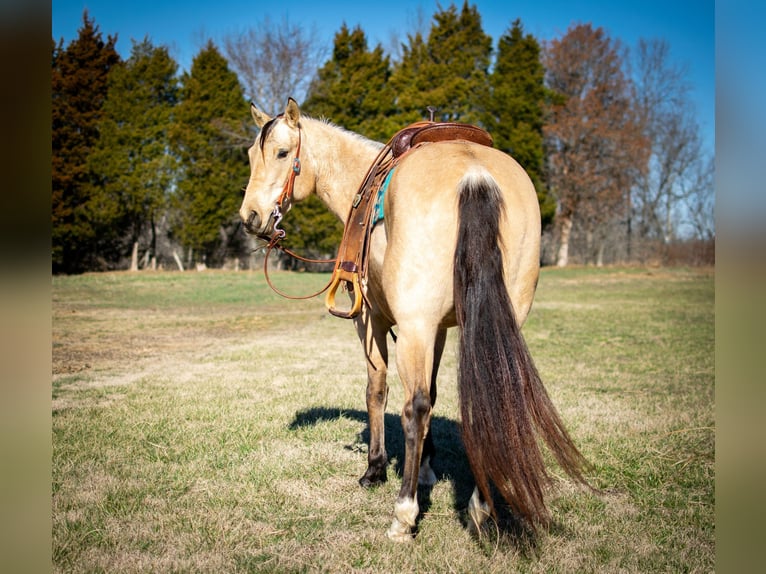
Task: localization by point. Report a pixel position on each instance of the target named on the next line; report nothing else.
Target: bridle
(287, 192)
(278, 234)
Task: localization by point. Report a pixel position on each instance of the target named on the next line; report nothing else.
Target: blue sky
(184, 26)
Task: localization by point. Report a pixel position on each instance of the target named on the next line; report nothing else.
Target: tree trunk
(589, 249)
(134, 257)
(566, 231)
(600, 254)
(178, 260)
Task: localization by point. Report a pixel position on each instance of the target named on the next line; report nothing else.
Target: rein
(274, 243)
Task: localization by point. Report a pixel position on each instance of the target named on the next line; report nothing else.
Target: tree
(517, 108)
(79, 86)
(448, 71)
(699, 200)
(352, 88)
(132, 161)
(410, 80)
(595, 148)
(677, 168)
(211, 163)
(274, 61)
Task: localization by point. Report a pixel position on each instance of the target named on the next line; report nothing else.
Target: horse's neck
(340, 160)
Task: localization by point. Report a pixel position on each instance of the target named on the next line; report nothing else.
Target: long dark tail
(503, 403)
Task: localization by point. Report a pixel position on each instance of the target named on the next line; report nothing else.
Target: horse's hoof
(478, 512)
(405, 514)
(372, 479)
(399, 532)
(367, 483)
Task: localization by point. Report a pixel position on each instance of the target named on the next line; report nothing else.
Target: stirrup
(354, 286)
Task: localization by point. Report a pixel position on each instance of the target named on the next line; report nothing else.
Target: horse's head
(274, 170)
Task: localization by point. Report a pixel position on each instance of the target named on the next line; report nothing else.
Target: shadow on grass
(450, 463)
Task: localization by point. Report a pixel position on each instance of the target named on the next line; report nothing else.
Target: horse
(458, 246)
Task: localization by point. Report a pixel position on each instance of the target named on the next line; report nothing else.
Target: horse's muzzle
(255, 226)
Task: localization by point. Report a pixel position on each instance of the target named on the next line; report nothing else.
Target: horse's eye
(282, 154)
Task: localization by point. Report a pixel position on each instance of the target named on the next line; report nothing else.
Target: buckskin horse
(458, 245)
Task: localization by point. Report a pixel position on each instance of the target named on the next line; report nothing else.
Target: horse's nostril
(253, 221)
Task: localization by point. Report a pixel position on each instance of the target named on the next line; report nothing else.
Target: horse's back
(422, 222)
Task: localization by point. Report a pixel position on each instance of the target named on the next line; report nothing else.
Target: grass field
(203, 424)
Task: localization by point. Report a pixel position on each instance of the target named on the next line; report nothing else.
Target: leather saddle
(430, 132)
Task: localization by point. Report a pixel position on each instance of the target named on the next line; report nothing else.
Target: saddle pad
(377, 212)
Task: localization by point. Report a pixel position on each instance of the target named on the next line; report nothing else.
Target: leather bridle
(287, 193)
(278, 234)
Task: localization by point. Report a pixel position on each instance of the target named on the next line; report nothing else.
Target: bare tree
(679, 178)
(275, 61)
(416, 23)
(698, 205)
(595, 148)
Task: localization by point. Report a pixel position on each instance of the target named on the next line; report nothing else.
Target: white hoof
(405, 514)
(478, 511)
(399, 532)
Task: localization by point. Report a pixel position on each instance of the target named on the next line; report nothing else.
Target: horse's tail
(503, 403)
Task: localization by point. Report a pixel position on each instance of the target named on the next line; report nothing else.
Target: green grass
(203, 424)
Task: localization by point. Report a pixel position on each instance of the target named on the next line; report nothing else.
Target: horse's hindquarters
(422, 218)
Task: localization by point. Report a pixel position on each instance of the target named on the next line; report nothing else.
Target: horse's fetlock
(406, 511)
(478, 510)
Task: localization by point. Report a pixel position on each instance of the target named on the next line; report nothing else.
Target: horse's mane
(359, 137)
(266, 129)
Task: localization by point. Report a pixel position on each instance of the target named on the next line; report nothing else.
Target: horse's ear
(260, 118)
(292, 113)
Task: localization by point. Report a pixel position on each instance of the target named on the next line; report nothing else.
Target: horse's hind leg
(427, 477)
(415, 360)
(372, 332)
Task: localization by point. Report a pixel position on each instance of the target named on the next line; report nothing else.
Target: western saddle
(351, 263)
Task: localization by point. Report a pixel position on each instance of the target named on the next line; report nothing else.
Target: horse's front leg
(372, 331)
(415, 361)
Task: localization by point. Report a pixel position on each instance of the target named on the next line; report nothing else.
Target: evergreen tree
(449, 71)
(517, 107)
(79, 86)
(352, 89)
(411, 81)
(209, 114)
(134, 167)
